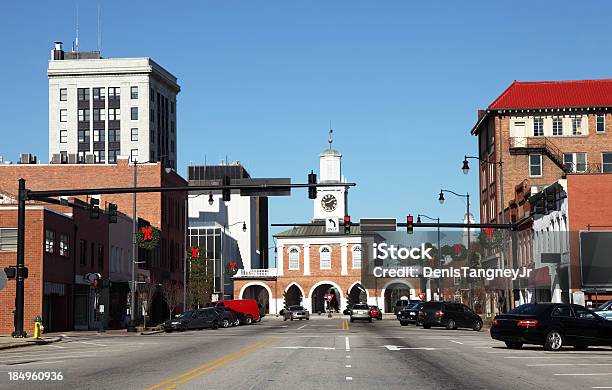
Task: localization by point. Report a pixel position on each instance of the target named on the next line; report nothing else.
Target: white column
(280, 251)
(306, 253)
(343, 259)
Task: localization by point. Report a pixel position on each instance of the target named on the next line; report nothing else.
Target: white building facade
(100, 108)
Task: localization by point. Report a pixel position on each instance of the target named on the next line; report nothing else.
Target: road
(315, 354)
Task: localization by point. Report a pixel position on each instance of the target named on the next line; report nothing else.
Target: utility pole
(132, 324)
(19, 292)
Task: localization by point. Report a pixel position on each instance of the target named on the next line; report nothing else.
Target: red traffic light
(409, 224)
(347, 224)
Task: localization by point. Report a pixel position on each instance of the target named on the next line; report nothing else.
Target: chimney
(58, 52)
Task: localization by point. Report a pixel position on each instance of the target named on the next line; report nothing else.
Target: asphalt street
(315, 354)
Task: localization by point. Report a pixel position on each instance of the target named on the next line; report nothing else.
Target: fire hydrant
(38, 327)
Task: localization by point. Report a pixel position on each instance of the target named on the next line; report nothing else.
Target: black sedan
(552, 325)
(410, 314)
(193, 319)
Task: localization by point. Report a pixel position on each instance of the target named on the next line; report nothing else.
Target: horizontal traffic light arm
(509, 226)
(40, 195)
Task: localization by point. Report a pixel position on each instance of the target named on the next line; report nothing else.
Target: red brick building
(88, 241)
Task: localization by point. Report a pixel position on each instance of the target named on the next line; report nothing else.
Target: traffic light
(312, 191)
(347, 224)
(551, 199)
(94, 208)
(226, 191)
(409, 224)
(112, 213)
(11, 272)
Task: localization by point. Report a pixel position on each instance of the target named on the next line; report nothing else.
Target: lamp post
(439, 247)
(467, 196)
(466, 169)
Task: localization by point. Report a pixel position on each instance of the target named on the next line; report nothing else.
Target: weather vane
(330, 140)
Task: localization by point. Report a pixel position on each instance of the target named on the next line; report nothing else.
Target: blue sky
(400, 80)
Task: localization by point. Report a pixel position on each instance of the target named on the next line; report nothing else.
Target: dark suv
(450, 315)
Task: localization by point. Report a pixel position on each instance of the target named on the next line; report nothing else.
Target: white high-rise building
(100, 108)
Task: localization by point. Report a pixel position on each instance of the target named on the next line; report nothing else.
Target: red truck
(248, 307)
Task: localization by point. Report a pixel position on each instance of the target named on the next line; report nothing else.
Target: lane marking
(349, 378)
(585, 374)
(400, 348)
(208, 366)
(568, 364)
(348, 366)
(300, 347)
(302, 327)
(347, 345)
(57, 346)
(348, 356)
(456, 342)
(90, 343)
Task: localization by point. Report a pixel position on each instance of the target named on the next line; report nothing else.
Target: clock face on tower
(329, 202)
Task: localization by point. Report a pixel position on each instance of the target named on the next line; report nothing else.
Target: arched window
(294, 258)
(325, 258)
(356, 256)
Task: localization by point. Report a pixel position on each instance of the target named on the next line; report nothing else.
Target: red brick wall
(34, 245)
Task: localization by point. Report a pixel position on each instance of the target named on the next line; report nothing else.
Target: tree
(146, 292)
(172, 295)
(200, 284)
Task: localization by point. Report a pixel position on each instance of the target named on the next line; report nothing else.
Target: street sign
(3, 278)
(331, 225)
(378, 224)
(329, 297)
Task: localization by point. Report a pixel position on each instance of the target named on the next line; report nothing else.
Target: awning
(539, 278)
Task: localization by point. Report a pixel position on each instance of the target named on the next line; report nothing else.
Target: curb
(31, 342)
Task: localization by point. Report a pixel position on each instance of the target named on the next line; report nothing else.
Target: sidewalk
(7, 342)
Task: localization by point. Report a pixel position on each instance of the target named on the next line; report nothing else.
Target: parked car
(448, 314)
(605, 310)
(228, 316)
(410, 314)
(193, 319)
(360, 311)
(375, 312)
(403, 303)
(296, 313)
(551, 325)
(248, 307)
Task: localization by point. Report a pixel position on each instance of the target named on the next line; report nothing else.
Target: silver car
(296, 313)
(360, 311)
(605, 310)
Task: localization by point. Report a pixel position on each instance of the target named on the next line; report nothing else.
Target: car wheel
(225, 323)
(215, 325)
(352, 319)
(291, 318)
(285, 319)
(168, 330)
(307, 318)
(248, 320)
(477, 326)
(404, 323)
(512, 345)
(237, 323)
(554, 341)
(451, 325)
(426, 326)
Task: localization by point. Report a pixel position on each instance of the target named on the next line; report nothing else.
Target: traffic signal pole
(20, 281)
(25, 194)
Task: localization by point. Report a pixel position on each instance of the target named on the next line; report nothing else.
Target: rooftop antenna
(330, 139)
(77, 31)
(99, 30)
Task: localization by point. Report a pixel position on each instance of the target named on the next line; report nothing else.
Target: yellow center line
(214, 362)
(202, 372)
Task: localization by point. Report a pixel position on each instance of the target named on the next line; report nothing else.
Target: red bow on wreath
(489, 232)
(457, 248)
(147, 233)
(195, 252)
(232, 266)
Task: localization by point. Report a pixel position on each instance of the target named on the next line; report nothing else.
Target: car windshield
(604, 306)
(360, 307)
(185, 314)
(296, 308)
(529, 309)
